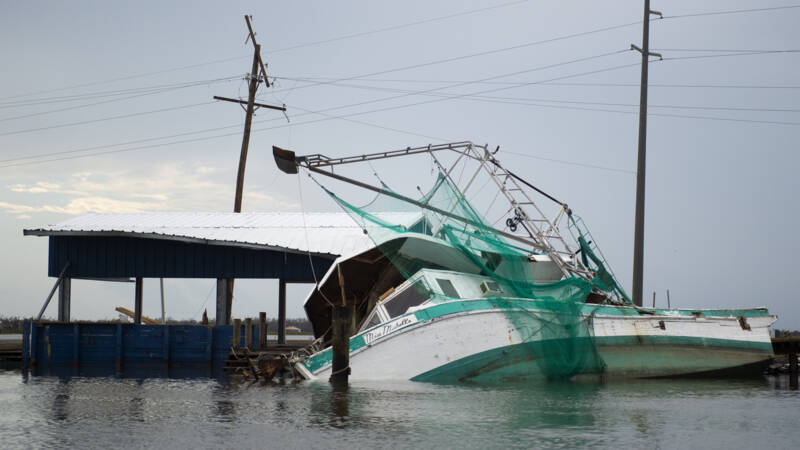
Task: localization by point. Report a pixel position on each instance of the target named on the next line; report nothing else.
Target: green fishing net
(552, 319)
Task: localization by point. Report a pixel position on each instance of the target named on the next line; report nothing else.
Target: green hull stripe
(623, 356)
(324, 358)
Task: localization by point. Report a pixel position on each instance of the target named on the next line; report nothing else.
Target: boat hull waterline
(502, 340)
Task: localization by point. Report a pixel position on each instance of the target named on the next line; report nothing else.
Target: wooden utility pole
(254, 79)
(638, 233)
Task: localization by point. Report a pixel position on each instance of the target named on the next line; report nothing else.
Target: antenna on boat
(638, 234)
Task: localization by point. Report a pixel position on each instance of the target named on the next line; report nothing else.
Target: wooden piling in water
(341, 327)
(237, 333)
(262, 330)
(248, 333)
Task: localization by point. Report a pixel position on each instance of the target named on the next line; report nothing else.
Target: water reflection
(69, 411)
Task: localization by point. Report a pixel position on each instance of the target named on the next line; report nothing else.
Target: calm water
(48, 411)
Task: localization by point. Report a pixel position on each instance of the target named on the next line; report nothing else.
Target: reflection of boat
(443, 296)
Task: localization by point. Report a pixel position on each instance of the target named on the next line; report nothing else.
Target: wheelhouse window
(447, 287)
(374, 320)
(414, 295)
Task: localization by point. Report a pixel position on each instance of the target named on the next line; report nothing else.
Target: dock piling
(248, 333)
(262, 330)
(341, 328)
(237, 333)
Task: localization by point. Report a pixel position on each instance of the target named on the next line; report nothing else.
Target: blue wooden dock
(58, 344)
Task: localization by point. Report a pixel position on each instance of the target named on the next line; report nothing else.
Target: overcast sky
(107, 107)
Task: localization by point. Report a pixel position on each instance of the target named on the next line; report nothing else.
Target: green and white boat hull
(504, 339)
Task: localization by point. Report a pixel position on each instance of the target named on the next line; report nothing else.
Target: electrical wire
(523, 99)
(105, 119)
(395, 27)
(235, 58)
(517, 83)
(111, 93)
(731, 11)
(14, 163)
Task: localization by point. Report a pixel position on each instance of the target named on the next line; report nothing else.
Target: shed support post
(229, 301)
(64, 299)
(281, 311)
(342, 328)
(137, 307)
(248, 333)
(236, 341)
(223, 313)
(262, 330)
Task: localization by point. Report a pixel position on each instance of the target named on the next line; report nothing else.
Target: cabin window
(374, 320)
(414, 295)
(447, 288)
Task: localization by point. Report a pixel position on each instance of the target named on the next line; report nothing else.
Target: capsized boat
(443, 296)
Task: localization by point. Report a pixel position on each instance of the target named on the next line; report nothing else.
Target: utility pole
(254, 79)
(638, 234)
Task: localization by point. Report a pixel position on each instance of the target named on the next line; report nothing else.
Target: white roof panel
(330, 233)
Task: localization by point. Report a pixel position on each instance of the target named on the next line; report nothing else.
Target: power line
(549, 66)
(731, 11)
(395, 27)
(517, 83)
(710, 108)
(411, 133)
(571, 163)
(338, 38)
(415, 104)
(129, 77)
(111, 93)
(15, 161)
(468, 56)
(235, 58)
(86, 105)
(104, 119)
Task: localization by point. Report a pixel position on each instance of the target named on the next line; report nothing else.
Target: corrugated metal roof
(331, 233)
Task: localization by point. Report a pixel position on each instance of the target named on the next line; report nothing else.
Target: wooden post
(137, 309)
(223, 314)
(163, 311)
(237, 333)
(341, 328)
(248, 333)
(668, 305)
(64, 299)
(654, 299)
(281, 311)
(793, 370)
(638, 229)
(262, 330)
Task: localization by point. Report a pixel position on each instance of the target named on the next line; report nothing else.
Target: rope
(347, 369)
(305, 233)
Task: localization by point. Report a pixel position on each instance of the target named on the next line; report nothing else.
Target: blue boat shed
(293, 247)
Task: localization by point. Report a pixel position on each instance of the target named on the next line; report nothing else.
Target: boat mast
(638, 234)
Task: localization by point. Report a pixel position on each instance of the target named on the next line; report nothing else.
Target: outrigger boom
(543, 233)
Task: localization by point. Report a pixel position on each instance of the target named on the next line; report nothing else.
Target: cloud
(38, 187)
(83, 205)
(167, 187)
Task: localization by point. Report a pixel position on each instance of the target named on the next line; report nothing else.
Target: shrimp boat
(444, 296)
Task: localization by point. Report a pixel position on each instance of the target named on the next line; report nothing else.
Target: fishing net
(441, 230)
